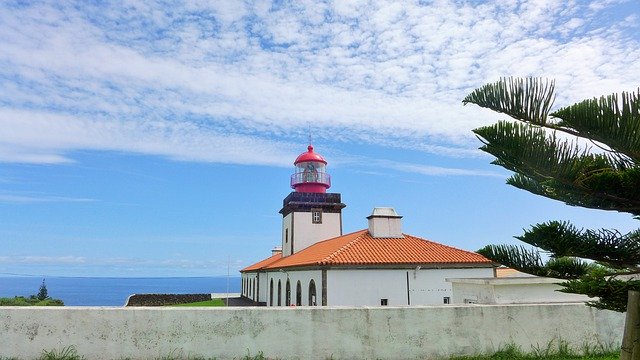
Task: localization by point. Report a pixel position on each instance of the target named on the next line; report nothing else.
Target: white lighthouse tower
(309, 213)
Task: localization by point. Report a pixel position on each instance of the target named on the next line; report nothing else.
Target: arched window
(279, 293)
(288, 294)
(298, 294)
(271, 293)
(312, 293)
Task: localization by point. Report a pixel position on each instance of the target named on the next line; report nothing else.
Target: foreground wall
(302, 332)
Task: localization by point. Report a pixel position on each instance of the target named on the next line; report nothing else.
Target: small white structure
(377, 266)
(511, 290)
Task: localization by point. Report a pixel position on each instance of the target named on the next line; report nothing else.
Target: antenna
(309, 131)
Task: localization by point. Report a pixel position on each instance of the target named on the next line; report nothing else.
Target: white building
(380, 265)
(511, 287)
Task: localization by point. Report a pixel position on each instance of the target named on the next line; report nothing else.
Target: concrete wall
(511, 291)
(302, 332)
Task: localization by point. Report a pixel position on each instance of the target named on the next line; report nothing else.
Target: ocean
(106, 291)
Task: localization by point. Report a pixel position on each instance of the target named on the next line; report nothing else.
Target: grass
(559, 352)
(29, 301)
(509, 352)
(213, 302)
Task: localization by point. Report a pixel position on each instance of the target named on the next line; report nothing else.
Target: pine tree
(587, 155)
(42, 293)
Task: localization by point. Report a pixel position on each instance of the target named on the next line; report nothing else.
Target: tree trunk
(631, 339)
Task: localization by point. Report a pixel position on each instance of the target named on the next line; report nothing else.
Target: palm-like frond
(612, 120)
(562, 239)
(560, 169)
(604, 176)
(516, 257)
(529, 261)
(528, 99)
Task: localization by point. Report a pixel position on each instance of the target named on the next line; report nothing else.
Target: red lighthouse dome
(310, 175)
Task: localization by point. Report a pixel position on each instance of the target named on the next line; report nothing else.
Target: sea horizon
(113, 291)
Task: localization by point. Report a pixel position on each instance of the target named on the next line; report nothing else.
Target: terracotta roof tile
(261, 264)
(360, 248)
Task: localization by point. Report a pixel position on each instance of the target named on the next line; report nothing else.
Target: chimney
(384, 222)
(276, 250)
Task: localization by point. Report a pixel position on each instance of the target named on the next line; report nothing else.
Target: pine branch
(523, 99)
(612, 120)
(609, 247)
(516, 257)
(561, 170)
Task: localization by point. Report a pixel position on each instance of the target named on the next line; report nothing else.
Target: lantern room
(310, 175)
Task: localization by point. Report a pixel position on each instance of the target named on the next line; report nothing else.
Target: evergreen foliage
(42, 292)
(587, 155)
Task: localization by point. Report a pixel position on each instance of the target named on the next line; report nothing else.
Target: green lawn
(214, 302)
(29, 301)
(514, 353)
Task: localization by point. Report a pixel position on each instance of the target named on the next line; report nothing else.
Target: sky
(157, 138)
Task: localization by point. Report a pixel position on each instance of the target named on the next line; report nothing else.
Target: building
(319, 265)
(511, 287)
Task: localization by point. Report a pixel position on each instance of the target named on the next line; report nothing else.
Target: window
(316, 216)
(286, 235)
(271, 293)
(299, 294)
(312, 293)
(279, 293)
(384, 302)
(288, 294)
(447, 300)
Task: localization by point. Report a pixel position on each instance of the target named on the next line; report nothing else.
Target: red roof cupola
(310, 175)
(309, 156)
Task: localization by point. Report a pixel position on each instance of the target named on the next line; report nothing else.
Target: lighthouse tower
(310, 214)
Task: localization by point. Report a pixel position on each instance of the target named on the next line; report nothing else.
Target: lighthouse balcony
(319, 178)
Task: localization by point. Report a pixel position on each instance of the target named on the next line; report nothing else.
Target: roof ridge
(344, 247)
(441, 244)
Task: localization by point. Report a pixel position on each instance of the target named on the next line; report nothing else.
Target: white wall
(369, 286)
(286, 234)
(304, 276)
(511, 291)
(306, 233)
(429, 286)
(302, 332)
(366, 287)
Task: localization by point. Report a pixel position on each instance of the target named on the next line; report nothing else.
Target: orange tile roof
(259, 265)
(360, 248)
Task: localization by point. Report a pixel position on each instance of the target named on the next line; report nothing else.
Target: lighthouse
(309, 213)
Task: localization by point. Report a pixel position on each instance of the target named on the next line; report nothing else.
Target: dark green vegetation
(555, 350)
(587, 155)
(213, 302)
(30, 301)
(40, 299)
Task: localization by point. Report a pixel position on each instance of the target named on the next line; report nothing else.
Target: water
(101, 291)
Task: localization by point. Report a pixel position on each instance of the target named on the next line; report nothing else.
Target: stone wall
(425, 332)
(165, 299)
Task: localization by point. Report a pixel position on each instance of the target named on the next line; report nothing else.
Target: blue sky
(142, 138)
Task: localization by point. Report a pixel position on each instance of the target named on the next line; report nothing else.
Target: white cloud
(436, 170)
(29, 199)
(43, 260)
(228, 82)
